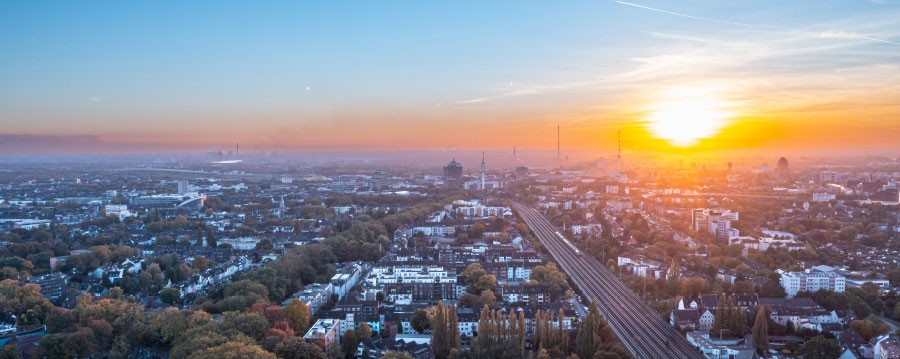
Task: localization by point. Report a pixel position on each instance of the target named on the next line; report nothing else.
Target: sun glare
(686, 116)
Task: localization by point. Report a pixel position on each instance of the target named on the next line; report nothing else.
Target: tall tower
(483, 171)
(557, 142)
(619, 153)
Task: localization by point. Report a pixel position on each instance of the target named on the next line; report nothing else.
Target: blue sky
(273, 71)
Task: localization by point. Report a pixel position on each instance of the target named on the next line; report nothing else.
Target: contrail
(682, 15)
(874, 39)
(842, 34)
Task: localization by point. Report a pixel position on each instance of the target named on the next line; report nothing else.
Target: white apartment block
(811, 281)
(823, 197)
(391, 274)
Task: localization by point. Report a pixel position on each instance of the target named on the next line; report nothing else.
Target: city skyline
(675, 77)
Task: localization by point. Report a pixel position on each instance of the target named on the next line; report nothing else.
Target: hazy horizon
(692, 77)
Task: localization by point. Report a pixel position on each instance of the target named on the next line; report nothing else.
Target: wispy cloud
(474, 100)
(826, 34)
(97, 98)
(853, 36)
(682, 15)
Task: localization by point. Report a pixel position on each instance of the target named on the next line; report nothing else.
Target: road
(638, 326)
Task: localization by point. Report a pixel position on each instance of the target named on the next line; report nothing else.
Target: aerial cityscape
(450, 180)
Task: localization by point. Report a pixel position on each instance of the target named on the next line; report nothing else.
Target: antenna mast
(557, 142)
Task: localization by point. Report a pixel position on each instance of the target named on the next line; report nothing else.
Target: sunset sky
(328, 75)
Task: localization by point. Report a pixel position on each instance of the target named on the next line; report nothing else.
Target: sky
(171, 76)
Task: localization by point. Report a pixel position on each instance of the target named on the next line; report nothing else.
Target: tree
(719, 323)
(298, 348)
(821, 348)
(476, 230)
(169, 295)
(445, 330)
(211, 237)
(488, 298)
(477, 280)
(392, 354)
(499, 335)
(729, 320)
(761, 330)
(253, 325)
(233, 350)
(25, 301)
(693, 287)
(742, 287)
(349, 342)
(551, 276)
(264, 244)
(419, 321)
(200, 264)
(364, 331)
(298, 315)
(849, 233)
(9, 352)
(869, 328)
(594, 335)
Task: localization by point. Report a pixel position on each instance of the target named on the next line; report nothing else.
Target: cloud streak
(474, 100)
(853, 36)
(827, 34)
(683, 15)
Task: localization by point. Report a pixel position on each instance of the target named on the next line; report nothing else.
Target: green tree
(760, 330)
(233, 350)
(595, 335)
(298, 348)
(420, 321)
(253, 325)
(170, 295)
(821, 348)
(477, 280)
(551, 276)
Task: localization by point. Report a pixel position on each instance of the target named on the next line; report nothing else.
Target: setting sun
(687, 115)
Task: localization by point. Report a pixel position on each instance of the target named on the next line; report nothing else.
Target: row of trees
(115, 325)
(445, 339)
(499, 335)
(503, 335)
(729, 319)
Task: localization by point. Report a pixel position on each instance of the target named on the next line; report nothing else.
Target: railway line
(637, 325)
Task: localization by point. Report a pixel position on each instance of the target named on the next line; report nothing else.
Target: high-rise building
(716, 222)
(183, 186)
(782, 166)
(521, 172)
(453, 173)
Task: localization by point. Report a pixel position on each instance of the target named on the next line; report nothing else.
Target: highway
(638, 326)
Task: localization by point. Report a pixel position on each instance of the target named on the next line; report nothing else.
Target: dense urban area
(265, 257)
